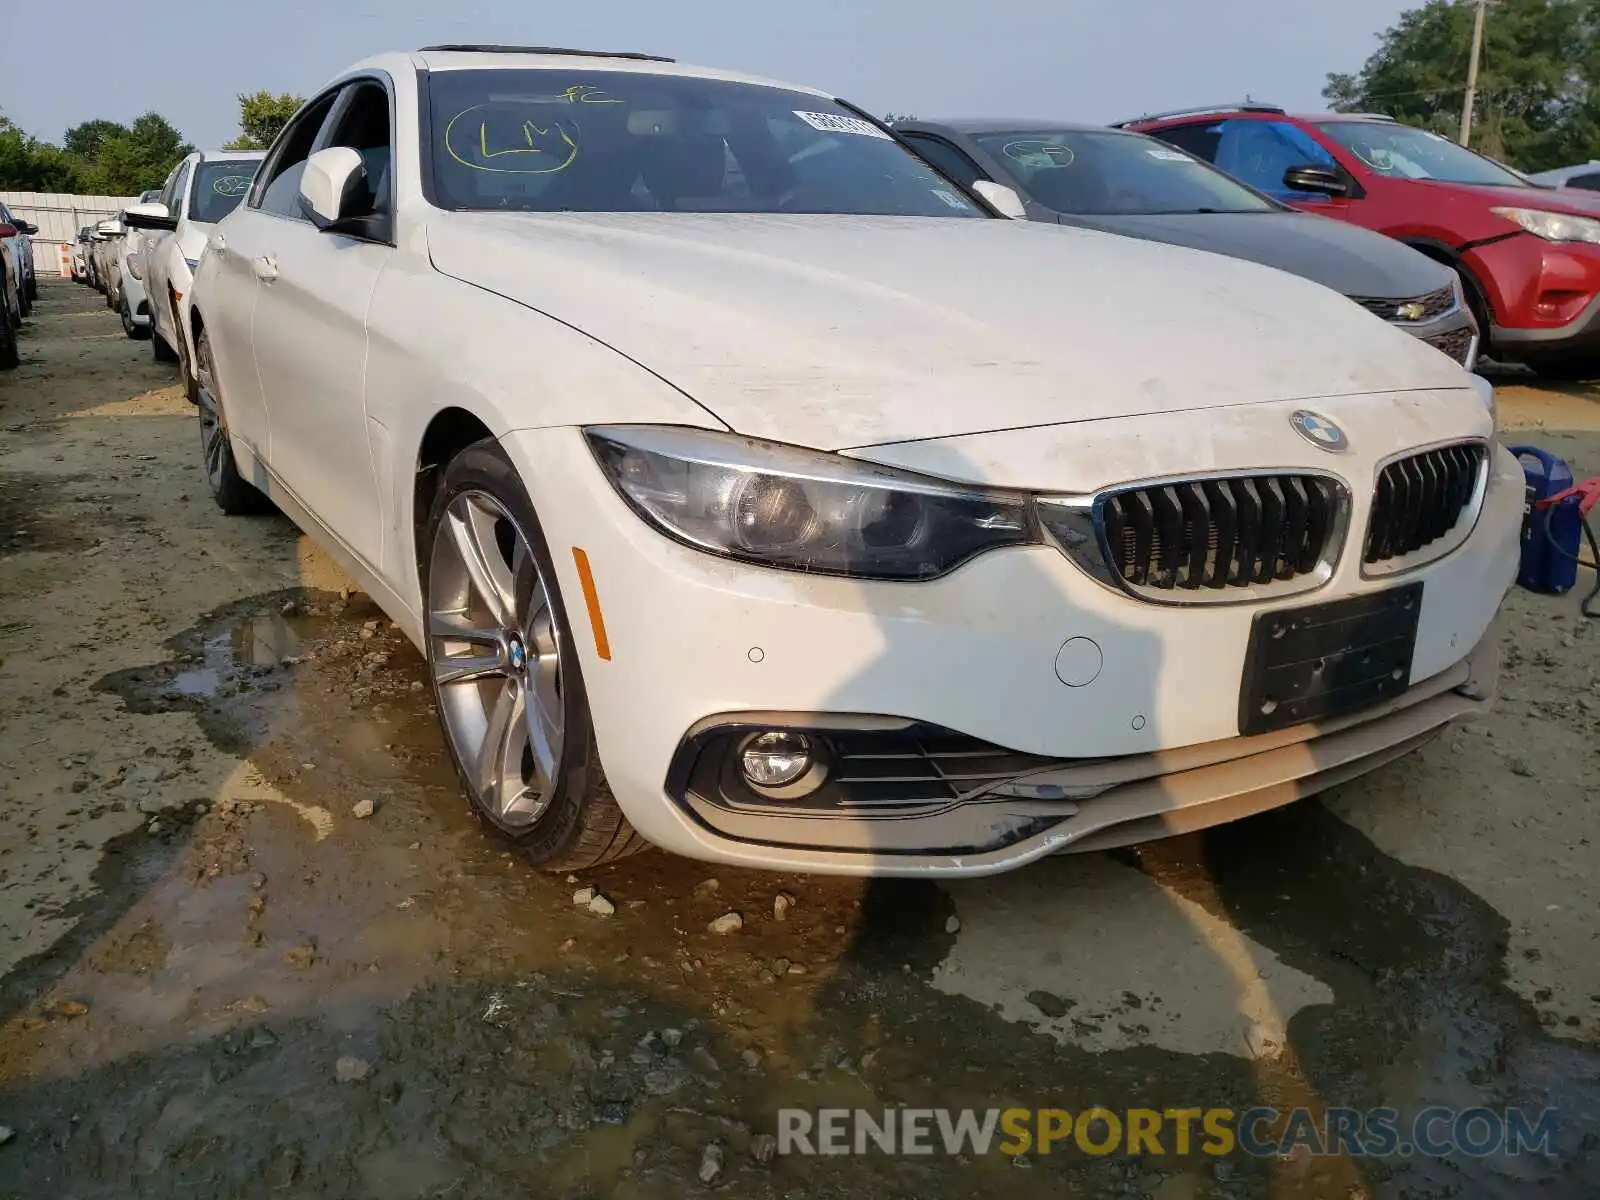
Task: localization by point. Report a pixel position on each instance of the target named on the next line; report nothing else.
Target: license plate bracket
(1323, 660)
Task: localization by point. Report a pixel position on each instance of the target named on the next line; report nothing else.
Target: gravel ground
(217, 979)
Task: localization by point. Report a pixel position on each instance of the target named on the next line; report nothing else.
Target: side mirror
(1002, 199)
(108, 228)
(153, 215)
(1308, 178)
(331, 184)
(25, 227)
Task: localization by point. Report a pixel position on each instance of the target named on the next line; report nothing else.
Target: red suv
(1528, 255)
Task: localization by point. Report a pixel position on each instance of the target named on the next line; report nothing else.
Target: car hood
(1566, 200)
(1346, 258)
(849, 331)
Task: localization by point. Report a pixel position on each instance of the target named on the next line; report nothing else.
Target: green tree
(1536, 107)
(140, 158)
(29, 165)
(85, 140)
(261, 116)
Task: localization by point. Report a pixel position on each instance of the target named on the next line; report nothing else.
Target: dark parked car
(1131, 184)
(1529, 254)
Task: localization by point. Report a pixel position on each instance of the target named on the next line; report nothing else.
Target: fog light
(776, 759)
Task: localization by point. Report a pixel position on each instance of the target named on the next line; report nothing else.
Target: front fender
(434, 342)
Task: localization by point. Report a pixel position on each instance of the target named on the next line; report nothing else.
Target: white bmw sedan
(754, 491)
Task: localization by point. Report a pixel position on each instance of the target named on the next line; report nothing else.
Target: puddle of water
(518, 1043)
(268, 641)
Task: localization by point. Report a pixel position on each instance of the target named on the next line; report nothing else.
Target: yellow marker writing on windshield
(584, 93)
(551, 157)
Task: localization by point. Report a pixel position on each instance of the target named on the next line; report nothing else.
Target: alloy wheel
(494, 647)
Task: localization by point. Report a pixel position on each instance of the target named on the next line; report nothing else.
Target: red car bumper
(1543, 298)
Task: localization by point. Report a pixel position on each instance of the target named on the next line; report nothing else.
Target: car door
(309, 329)
(158, 250)
(227, 302)
(1258, 152)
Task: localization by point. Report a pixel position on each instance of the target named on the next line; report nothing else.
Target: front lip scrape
(1110, 802)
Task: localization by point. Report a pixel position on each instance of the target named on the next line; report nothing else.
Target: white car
(1584, 177)
(134, 308)
(754, 491)
(107, 253)
(201, 190)
(80, 255)
(133, 305)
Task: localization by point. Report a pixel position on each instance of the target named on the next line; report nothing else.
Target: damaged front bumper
(913, 798)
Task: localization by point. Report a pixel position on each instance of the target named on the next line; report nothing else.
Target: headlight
(1552, 226)
(1485, 391)
(803, 510)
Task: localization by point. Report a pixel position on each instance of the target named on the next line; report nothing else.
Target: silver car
(1584, 176)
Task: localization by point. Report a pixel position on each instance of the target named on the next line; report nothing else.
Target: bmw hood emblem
(1319, 431)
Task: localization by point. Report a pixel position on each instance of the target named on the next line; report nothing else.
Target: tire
(33, 287)
(130, 327)
(180, 353)
(9, 358)
(228, 488)
(554, 805)
(159, 350)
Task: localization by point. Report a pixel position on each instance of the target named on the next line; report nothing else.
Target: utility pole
(1472, 71)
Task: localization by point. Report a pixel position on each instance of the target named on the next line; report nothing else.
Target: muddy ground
(216, 981)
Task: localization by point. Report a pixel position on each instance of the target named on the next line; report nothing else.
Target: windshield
(218, 188)
(1095, 173)
(596, 141)
(1406, 153)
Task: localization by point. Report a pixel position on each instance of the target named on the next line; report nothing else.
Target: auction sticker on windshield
(830, 123)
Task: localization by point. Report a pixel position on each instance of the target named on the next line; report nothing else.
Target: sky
(1087, 60)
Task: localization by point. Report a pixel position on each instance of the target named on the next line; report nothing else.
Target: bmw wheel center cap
(1319, 431)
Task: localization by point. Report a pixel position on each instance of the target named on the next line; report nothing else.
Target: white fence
(59, 217)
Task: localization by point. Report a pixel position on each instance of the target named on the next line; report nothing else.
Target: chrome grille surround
(1233, 537)
(1425, 503)
(1429, 307)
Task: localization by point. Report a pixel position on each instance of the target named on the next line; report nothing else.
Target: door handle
(265, 267)
(218, 242)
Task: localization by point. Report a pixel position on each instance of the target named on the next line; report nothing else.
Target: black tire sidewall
(485, 467)
(9, 357)
(233, 494)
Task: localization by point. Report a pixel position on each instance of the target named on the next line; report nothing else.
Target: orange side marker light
(591, 598)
